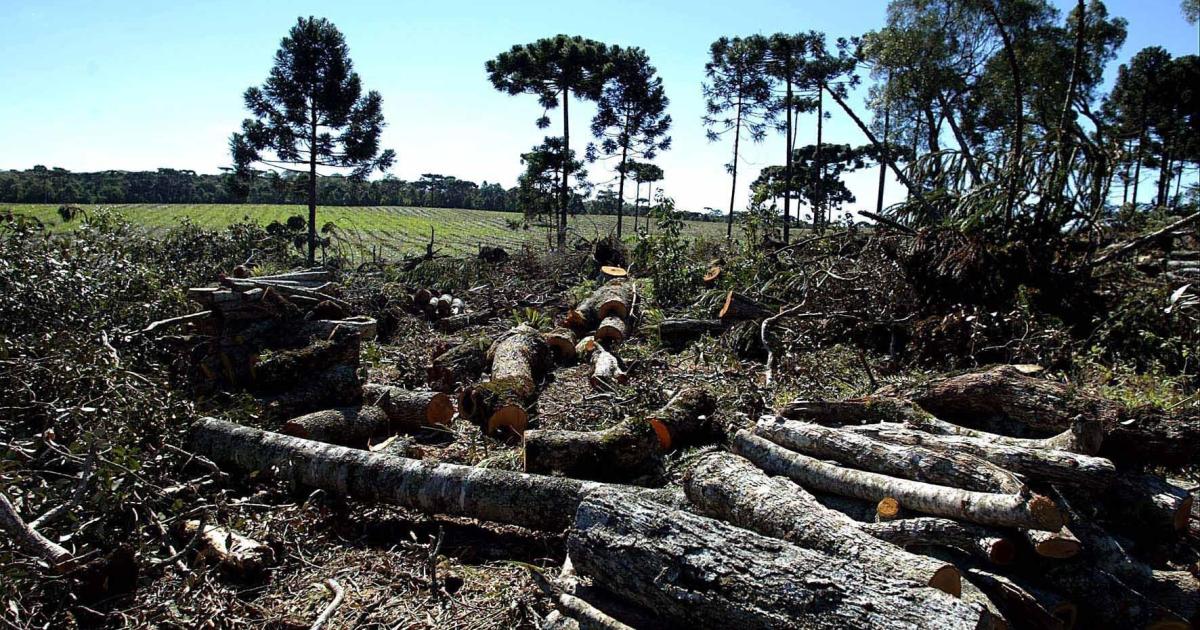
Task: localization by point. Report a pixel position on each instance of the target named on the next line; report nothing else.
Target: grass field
(390, 230)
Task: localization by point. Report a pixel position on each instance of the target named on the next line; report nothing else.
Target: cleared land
(389, 230)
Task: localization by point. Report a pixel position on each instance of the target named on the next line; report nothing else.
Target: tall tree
(311, 112)
(786, 63)
(644, 173)
(553, 69)
(737, 97)
(547, 167)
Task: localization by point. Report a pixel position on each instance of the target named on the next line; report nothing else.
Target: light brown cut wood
(626, 450)
(611, 331)
(725, 486)
(562, 343)
(610, 272)
(244, 557)
(1059, 545)
(888, 509)
(738, 307)
(711, 276)
(703, 573)
(519, 360)
(1005, 510)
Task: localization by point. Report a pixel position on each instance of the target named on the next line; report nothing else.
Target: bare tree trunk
(819, 208)
(968, 156)
(565, 185)
(700, 572)
(621, 188)
(787, 168)
(312, 185)
(883, 149)
(737, 136)
(1014, 66)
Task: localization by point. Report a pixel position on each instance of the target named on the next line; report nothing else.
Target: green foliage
(533, 318)
(663, 256)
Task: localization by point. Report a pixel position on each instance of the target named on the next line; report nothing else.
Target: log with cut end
(347, 426)
(1059, 545)
(610, 272)
(614, 300)
(420, 299)
(1085, 436)
(1148, 501)
(888, 509)
(678, 332)
(519, 360)
(1021, 605)
(627, 450)
(284, 369)
(976, 540)
(945, 468)
(611, 331)
(408, 410)
(1004, 510)
(1040, 464)
(701, 572)
(725, 486)
(458, 365)
(711, 276)
(533, 501)
(608, 299)
(606, 369)
(562, 345)
(738, 307)
(241, 556)
(585, 347)
(445, 305)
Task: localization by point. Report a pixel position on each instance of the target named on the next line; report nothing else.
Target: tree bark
(519, 360)
(455, 323)
(562, 345)
(312, 183)
(679, 332)
(949, 468)
(1037, 464)
(565, 185)
(1146, 501)
(627, 450)
(409, 411)
(704, 573)
(533, 501)
(608, 299)
(787, 167)
(737, 137)
(975, 540)
(338, 386)
(727, 487)
(347, 426)
(606, 370)
(32, 540)
(611, 331)
(1085, 436)
(738, 307)
(458, 365)
(1005, 510)
(282, 370)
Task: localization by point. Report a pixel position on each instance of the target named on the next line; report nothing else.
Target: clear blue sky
(95, 85)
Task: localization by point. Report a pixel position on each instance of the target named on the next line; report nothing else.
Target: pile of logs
(594, 328)
(450, 313)
(982, 500)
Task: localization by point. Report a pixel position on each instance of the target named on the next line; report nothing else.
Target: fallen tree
(985, 543)
(458, 365)
(698, 571)
(610, 299)
(1005, 510)
(409, 410)
(629, 449)
(519, 360)
(725, 486)
(533, 501)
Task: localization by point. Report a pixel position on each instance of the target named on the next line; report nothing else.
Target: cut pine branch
(627, 450)
(1002, 510)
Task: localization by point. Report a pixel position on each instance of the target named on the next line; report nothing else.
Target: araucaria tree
(631, 122)
(737, 97)
(553, 69)
(311, 112)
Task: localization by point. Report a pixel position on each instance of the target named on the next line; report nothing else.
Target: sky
(93, 85)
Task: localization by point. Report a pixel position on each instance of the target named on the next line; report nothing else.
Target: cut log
(1103, 601)
(1022, 607)
(400, 446)
(700, 572)
(888, 509)
(711, 276)
(679, 332)
(347, 426)
(738, 307)
(627, 450)
(533, 501)
(614, 297)
(1084, 437)
(519, 360)
(611, 331)
(585, 347)
(409, 410)
(236, 554)
(975, 540)
(606, 370)
(367, 327)
(613, 300)
(458, 365)
(562, 345)
(336, 387)
(1059, 545)
(610, 272)
(1147, 501)
(1038, 464)
(284, 369)
(725, 486)
(1004, 510)
(839, 413)
(455, 323)
(445, 305)
(946, 468)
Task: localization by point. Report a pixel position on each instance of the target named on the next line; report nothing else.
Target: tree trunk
(738, 308)
(1137, 172)
(1021, 607)
(700, 572)
(975, 540)
(907, 462)
(787, 168)
(737, 137)
(606, 370)
(562, 345)
(679, 332)
(31, 540)
(610, 299)
(283, 370)
(1004, 510)
(409, 411)
(611, 331)
(347, 426)
(724, 486)
(1145, 501)
(1037, 464)
(1059, 545)
(519, 360)
(458, 365)
(533, 501)
(1085, 436)
(819, 207)
(312, 185)
(1014, 66)
(621, 188)
(339, 386)
(565, 185)
(883, 149)
(455, 323)
(625, 451)
(968, 156)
